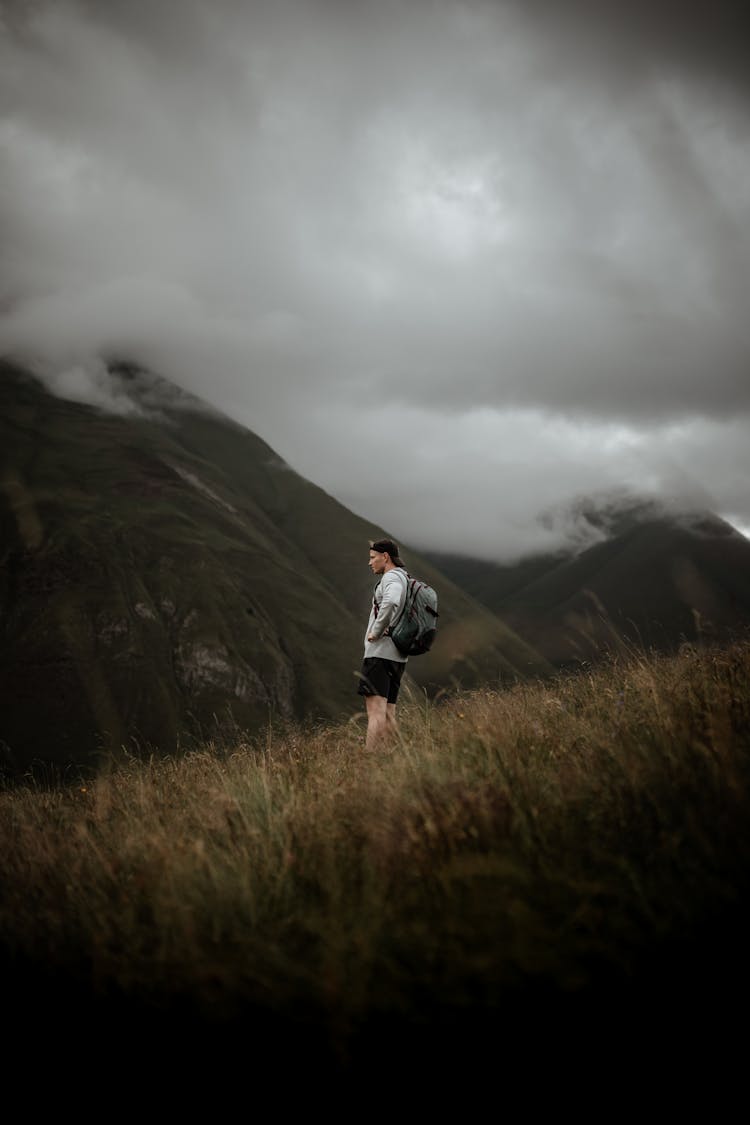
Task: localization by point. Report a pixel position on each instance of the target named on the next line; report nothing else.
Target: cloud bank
(457, 262)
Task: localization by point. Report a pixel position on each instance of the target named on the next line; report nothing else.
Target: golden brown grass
(561, 836)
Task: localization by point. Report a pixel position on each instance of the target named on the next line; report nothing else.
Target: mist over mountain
(637, 572)
(166, 576)
(501, 249)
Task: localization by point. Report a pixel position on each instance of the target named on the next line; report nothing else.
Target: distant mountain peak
(639, 573)
(599, 516)
(154, 393)
(115, 386)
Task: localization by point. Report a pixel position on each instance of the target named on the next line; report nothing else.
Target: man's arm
(394, 590)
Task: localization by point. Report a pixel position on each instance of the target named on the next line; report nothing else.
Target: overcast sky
(459, 263)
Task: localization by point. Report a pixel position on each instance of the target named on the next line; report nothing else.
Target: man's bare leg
(390, 720)
(377, 721)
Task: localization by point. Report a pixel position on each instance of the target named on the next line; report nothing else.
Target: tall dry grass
(591, 831)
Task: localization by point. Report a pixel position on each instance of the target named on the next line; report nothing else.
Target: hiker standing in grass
(383, 664)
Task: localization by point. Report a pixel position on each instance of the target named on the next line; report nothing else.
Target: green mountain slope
(655, 581)
(167, 576)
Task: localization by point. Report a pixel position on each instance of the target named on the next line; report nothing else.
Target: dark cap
(387, 546)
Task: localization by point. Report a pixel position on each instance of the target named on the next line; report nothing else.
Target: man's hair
(387, 546)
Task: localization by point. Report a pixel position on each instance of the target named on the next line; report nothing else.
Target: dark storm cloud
(510, 225)
(630, 40)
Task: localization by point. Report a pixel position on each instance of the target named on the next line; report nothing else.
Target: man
(383, 664)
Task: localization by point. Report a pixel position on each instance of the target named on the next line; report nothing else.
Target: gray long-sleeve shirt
(390, 594)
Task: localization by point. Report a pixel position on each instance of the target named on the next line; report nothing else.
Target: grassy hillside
(164, 574)
(553, 863)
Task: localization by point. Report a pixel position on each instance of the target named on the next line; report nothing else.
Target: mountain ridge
(168, 577)
(656, 579)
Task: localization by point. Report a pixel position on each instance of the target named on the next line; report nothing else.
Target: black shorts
(381, 677)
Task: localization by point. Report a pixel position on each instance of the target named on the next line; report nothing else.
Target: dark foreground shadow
(675, 1032)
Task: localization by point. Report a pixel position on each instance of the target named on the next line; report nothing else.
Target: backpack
(416, 626)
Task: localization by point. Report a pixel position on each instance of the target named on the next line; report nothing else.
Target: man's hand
(372, 637)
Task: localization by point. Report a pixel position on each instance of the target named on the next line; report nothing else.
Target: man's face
(378, 561)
